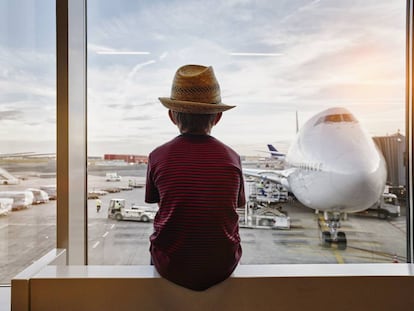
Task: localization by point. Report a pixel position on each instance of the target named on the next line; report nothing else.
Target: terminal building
(128, 158)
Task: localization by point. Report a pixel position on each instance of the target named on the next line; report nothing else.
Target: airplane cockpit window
(348, 118)
(336, 118)
(333, 118)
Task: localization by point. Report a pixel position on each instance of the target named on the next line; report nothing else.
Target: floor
(5, 298)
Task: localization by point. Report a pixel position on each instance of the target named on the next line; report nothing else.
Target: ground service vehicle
(50, 190)
(39, 196)
(267, 192)
(6, 205)
(21, 199)
(117, 209)
(386, 207)
(263, 216)
(113, 176)
(135, 184)
(263, 209)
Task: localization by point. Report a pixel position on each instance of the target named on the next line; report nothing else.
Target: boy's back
(196, 241)
(197, 182)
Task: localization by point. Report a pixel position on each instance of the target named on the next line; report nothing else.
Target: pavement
(28, 234)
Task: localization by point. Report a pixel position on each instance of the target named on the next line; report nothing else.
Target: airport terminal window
(282, 59)
(280, 63)
(28, 134)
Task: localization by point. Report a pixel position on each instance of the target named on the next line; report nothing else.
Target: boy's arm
(151, 192)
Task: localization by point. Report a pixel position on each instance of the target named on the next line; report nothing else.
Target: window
(273, 59)
(28, 134)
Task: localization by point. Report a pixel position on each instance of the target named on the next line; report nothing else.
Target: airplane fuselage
(337, 164)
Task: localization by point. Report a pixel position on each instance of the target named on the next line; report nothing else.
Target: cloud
(10, 115)
(138, 118)
(347, 53)
(323, 61)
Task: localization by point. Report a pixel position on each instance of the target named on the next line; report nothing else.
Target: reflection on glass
(280, 63)
(28, 134)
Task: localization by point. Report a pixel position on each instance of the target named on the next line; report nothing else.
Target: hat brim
(193, 107)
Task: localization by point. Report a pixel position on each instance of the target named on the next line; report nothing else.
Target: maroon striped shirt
(198, 183)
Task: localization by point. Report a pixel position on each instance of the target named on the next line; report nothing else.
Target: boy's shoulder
(181, 140)
(165, 145)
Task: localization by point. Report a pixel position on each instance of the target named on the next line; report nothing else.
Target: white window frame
(72, 157)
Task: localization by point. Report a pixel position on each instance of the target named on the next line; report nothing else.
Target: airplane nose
(361, 186)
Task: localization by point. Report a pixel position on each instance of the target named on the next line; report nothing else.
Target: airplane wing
(277, 176)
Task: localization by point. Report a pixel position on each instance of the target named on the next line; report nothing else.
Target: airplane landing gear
(332, 235)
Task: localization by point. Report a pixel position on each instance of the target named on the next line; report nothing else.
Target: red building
(129, 158)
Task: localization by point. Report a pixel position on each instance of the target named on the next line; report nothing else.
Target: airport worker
(98, 205)
(117, 205)
(197, 182)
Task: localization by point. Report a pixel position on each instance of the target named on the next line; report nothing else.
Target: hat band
(204, 94)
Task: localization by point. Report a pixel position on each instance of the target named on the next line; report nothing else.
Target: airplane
(274, 153)
(334, 166)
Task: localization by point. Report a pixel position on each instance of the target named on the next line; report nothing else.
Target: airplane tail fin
(271, 147)
(274, 152)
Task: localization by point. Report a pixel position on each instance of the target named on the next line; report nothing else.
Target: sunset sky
(272, 58)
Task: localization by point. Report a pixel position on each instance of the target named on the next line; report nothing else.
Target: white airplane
(332, 166)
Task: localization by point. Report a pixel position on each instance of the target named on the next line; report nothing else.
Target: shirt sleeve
(151, 192)
(242, 196)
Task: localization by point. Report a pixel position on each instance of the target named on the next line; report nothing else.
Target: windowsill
(47, 286)
(242, 271)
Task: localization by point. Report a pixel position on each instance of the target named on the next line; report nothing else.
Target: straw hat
(195, 89)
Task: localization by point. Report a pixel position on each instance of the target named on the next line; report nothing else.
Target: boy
(197, 182)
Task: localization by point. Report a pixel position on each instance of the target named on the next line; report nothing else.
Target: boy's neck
(195, 133)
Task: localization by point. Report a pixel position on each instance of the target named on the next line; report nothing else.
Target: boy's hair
(194, 123)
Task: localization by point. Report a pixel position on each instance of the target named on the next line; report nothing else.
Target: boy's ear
(218, 117)
(171, 115)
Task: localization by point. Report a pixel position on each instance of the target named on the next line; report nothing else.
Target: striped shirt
(198, 183)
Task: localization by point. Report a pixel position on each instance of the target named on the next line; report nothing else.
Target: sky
(271, 58)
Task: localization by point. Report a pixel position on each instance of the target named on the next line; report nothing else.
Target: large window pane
(281, 63)
(28, 133)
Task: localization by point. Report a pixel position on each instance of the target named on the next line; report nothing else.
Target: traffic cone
(395, 259)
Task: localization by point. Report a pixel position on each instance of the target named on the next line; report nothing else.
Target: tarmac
(28, 234)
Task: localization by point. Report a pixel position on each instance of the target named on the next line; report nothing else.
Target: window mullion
(71, 130)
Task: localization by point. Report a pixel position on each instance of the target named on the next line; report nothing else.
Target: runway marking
(338, 257)
(400, 225)
(96, 244)
(112, 226)
(105, 234)
(324, 227)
